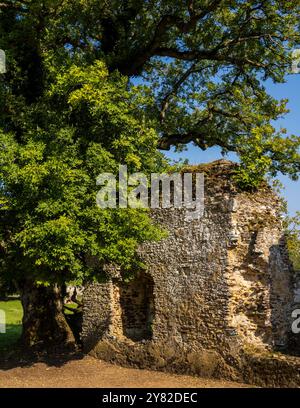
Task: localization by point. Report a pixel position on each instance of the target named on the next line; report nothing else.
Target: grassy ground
(13, 312)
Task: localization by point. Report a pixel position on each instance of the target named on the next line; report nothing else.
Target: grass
(13, 316)
(13, 313)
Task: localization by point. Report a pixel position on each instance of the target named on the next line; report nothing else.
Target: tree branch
(211, 55)
(167, 22)
(165, 142)
(168, 96)
(175, 139)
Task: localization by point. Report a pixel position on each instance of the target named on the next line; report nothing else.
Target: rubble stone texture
(214, 290)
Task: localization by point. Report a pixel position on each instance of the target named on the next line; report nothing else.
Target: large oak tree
(93, 83)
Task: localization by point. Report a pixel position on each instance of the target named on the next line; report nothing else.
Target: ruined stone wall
(214, 287)
(259, 273)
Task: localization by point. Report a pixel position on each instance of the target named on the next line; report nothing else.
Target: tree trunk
(44, 323)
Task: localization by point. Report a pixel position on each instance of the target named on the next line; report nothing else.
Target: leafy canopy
(71, 107)
(87, 122)
(204, 62)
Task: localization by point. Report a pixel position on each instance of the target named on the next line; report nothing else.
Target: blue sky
(289, 90)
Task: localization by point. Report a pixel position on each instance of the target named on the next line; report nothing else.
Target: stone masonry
(213, 291)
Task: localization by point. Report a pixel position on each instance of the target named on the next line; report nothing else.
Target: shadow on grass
(13, 354)
(9, 339)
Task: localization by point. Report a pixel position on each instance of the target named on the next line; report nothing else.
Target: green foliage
(13, 313)
(203, 63)
(293, 238)
(72, 106)
(86, 123)
(266, 152)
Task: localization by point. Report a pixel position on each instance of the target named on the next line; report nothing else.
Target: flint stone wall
(214, 289)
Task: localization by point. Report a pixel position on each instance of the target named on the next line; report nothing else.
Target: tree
(86, 123)
(293, 239)
(70, 103)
